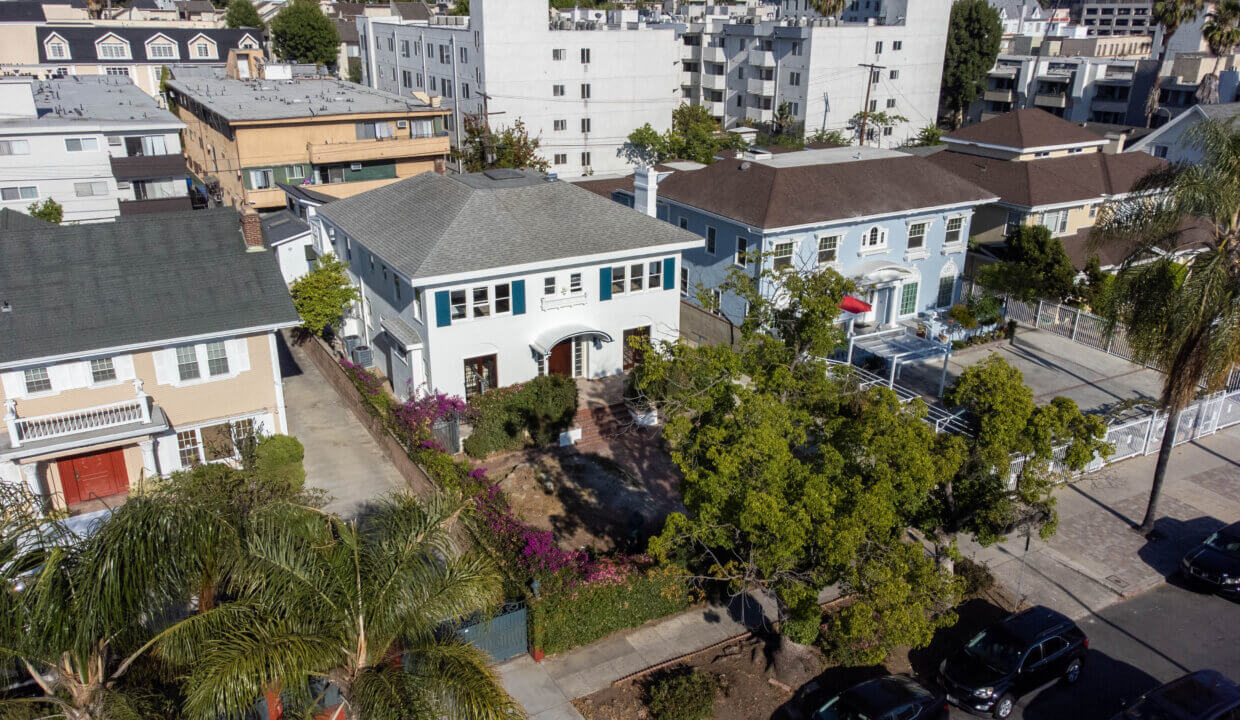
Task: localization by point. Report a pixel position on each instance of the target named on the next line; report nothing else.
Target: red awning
(853, 305)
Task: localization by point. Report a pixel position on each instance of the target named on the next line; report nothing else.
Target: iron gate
(502, 636)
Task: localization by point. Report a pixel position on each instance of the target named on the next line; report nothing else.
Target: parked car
(1215, 563)
(894, 697)
(1012, 658)
(1203, 695)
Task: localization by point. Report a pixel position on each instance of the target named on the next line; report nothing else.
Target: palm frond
(457, 679)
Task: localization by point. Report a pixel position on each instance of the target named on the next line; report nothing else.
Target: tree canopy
(510, 147)
(1038, 267)
(322, 295)
(694, 135)
(241, 14)
(300, 32)
(974, 34)
(48, 211)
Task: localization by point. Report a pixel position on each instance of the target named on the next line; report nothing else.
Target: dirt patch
(588, 501)
(756, 677)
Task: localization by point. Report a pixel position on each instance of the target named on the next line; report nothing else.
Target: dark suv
(1013, 658)
(1215, 563)
(1203, 695)
(894, 697)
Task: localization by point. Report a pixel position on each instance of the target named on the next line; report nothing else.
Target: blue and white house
(475, 281)
(895, 223)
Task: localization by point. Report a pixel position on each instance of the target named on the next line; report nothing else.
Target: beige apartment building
(135, 349)
(258, 126)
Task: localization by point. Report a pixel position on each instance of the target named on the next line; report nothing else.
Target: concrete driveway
(341, 456)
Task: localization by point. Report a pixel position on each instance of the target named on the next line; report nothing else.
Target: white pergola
(901, 345)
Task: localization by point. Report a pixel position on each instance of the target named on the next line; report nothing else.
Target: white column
(281, 418)
(30, 472)
(150, 465)
(893, 297)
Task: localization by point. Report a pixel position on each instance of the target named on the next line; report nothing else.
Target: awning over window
(854, 305)
(548, 339)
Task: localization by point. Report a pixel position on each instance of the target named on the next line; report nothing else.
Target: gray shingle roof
(11, 219)
(431, 225)
(78, 288)
(278, 227)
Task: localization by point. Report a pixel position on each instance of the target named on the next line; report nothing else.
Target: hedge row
(503, 417)
(565, 617)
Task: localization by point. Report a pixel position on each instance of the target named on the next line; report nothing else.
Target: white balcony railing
(563, 301)
(100, 417)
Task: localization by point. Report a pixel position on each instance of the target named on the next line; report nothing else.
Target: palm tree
(828, 8)
(342, 601)
(1170, 14)
(1221, 33)
(1183, 317)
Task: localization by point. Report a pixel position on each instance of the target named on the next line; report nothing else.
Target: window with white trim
(916, 235)
(90, 189)
(684, 281)
(113, 50)
(459, 308)
(637, 277)
(947, 290)
(217, 358)
(875, 237)
(574, 283)
(102, 370)
(503, 298)
(481, 301)
(37, 380)
(549, 285)
(1056, 221)
(954, 234)
(908, 298)
(19, 192)
(57, 51)
(202, 49)
(117, 71)
(828, 248)
(87, 144)
(161, 50)
(188, 448)
(187, 363)
(654, 275)
(617, 280)
(262, 179)
(782, 256)
(741, 255)
(14, 147)
(1015, 219)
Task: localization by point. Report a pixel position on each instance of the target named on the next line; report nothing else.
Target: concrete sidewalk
(1095, 559)
(546, 690)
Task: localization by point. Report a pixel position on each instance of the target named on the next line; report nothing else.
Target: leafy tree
(323, 294)
(48, 211)
(834, 138)
(694, 135)
(1221, 32)
(1038, 268)
(358, 604)
(355, 70)
(241, 14)
(993, 495)
(300, 32)
(828, 8)
(512, 147)
(874, 122)
(1096, 287)
(1182, 317)
(461, 7)
(928, 136)
(164, 76)
(794, 477)
(974, 34)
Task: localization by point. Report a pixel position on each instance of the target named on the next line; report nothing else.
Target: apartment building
(138, 51)
(198, 11)
(1077, 88)
(97, 145)
(743, 71)
(244, 137)
(1191, 76)
(580, 86)
(1045, 171)
(1118, 17)
(135, 349)
(481, 280)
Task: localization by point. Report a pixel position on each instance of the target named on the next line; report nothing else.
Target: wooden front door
(87, 477)
(560, 361)
(480, 375)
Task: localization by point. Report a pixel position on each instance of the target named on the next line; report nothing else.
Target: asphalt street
(1139, 644)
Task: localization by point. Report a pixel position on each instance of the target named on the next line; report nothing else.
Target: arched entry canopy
(876, 272)
(548, 339)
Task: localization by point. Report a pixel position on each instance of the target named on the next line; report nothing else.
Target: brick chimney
(252, 231)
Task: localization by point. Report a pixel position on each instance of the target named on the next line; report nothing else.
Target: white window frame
(94, 188)
(199, 447)
(781, 255)
(46, 378)
(111, 40)
(835, 251)
(21, 196)
(56, 39)
(912, 282)
(950, 246)
(741, 259)
(213, 49)
(14, 146)
(82, 144)
(164, 41)
(873, 240)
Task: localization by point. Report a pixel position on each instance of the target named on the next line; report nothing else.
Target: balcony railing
(714, 82)
(563, 301)
(1000, 95)
(714, 54)
(762, 58)
(100, 417)
(757, 86)
(1058, 100)
(385, 149)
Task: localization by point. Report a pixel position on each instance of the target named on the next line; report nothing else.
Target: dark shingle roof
(11, 219)
(278, 227)
(21, 11)
(1020, 129)
(413, 10)
(195, 6)
(346, 28)
(767, 196)
(1079, 246)
(78, 288)
(82, 39)
(1049, 181)
(432, 225)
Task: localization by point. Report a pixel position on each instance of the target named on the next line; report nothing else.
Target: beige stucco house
(135, 348)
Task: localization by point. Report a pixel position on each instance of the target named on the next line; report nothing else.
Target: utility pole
(869, 83)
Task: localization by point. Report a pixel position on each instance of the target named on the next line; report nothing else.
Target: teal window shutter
(669, 273)
(518, 297)
(604, 283)
(443, 309)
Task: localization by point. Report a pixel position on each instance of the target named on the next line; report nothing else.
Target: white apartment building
(1080, 89)
(580, 86)
(742, 71)
(97, 145)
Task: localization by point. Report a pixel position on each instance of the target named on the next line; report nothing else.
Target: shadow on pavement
(830, 682)
(975, 615)
(1105, 684)
(1174, 538)
(288, 365)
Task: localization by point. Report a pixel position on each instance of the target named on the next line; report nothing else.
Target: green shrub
(961, 314)
(986, 309)
(804, 620)
(565, 617)
(278, 458)
(683, 696)
(542, 408)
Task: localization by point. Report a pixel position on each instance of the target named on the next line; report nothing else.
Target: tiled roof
(1021, 129)
(1050, 181)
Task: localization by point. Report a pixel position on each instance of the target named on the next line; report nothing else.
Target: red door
(97, 475)
(560, 362)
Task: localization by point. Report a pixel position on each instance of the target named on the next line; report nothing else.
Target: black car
(1013, 658)
(1203, 695)
(1215, 563)
(894, 697)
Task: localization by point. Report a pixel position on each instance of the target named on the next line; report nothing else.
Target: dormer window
(57, 50)
(112, 47)
(161, 47)
(202, 48)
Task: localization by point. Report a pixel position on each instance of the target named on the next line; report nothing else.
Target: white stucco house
(476, 281)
